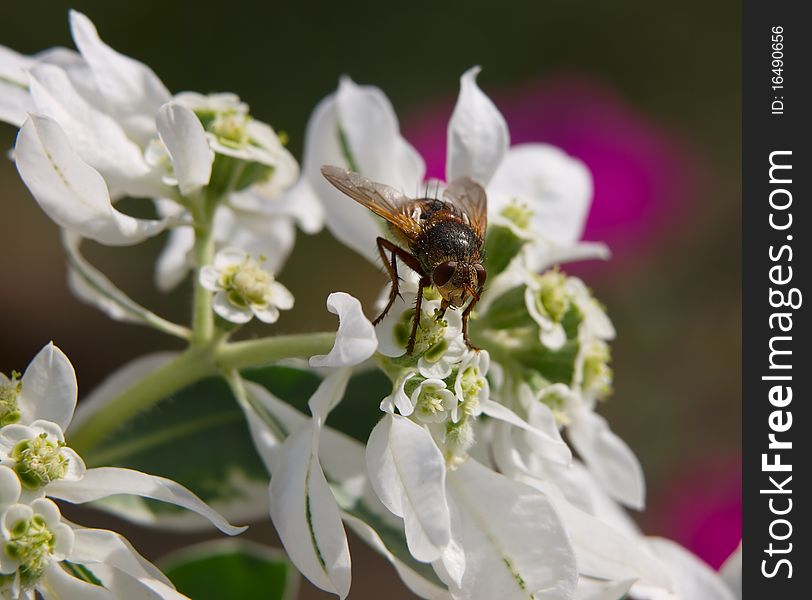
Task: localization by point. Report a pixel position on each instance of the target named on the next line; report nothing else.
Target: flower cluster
(97, 125)
(488, 472)
(39, 550)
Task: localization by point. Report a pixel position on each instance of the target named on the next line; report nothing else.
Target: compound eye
(443, 273)
(481, 275)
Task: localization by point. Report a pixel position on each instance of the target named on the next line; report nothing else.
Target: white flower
(356, 128)
(439, 344)
(432, 402)
(103, 125)
(243, 288)
(35, 448)
(33, 539)
(38, 550)
(355, 340)
(38, 454)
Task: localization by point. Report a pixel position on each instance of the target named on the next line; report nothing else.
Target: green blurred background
(674, 299)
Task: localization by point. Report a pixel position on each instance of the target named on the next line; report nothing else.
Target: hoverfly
(443, 238)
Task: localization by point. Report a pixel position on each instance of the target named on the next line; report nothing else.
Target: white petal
(355, 340)
(596, 589)
(555, 186)
(407, 471)
(258, 234)
(175, 260)
(131, 89)
(14, 513)
(306, 515)
(185, 139)
(57, 584)
(210, 278)
(10, 488)
(15, 103)
(548, 441)
(97, 138)
(690, 576)
(478, 136)
(328, 394)
(269, 314)
(416, 583)
(14, 66)
(601, 550)
(545, 254)
(608, 457)
(371, 144)
(439, 369)
(515, 546)
(71, 192)
(228, 257)
(368, 120)
(76, 466)
(65, 539)
(281, 296)
(107, 481)
(388, 345)
(93, 287)
(94, 546)
(228, 311)
(302, 206)
(351, 223)
(731, 572)
(49, 388)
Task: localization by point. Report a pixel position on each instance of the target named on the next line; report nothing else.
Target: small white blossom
(433, 402)
(38, 454)
(102, 125)
(438, 342)
(243, 288)
(35, 448)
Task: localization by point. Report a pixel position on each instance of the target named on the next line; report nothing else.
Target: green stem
(237, 355)
(190, 366)
(202, 316)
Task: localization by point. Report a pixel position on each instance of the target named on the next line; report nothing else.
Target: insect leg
(443, 307)
(385, 245)
(424, 281)
(465, 315)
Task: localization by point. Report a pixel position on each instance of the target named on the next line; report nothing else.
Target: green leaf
(199, 438)
(232, 568)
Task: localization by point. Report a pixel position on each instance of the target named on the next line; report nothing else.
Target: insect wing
(384, 201)
(469, 198)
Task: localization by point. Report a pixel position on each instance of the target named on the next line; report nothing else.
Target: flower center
(552, 297)
(518, 213)
(433, 401)
(597, 377)
(430, 336)
(247, 284)
(557, 403)
(231, 128)
(38, 461)
(32, 543)
(9, 393)
(471, 383)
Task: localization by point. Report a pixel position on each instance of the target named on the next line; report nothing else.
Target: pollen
(32, 544)
(39, 461)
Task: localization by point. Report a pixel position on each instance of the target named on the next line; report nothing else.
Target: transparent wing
(384, 201)
(469, 198)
